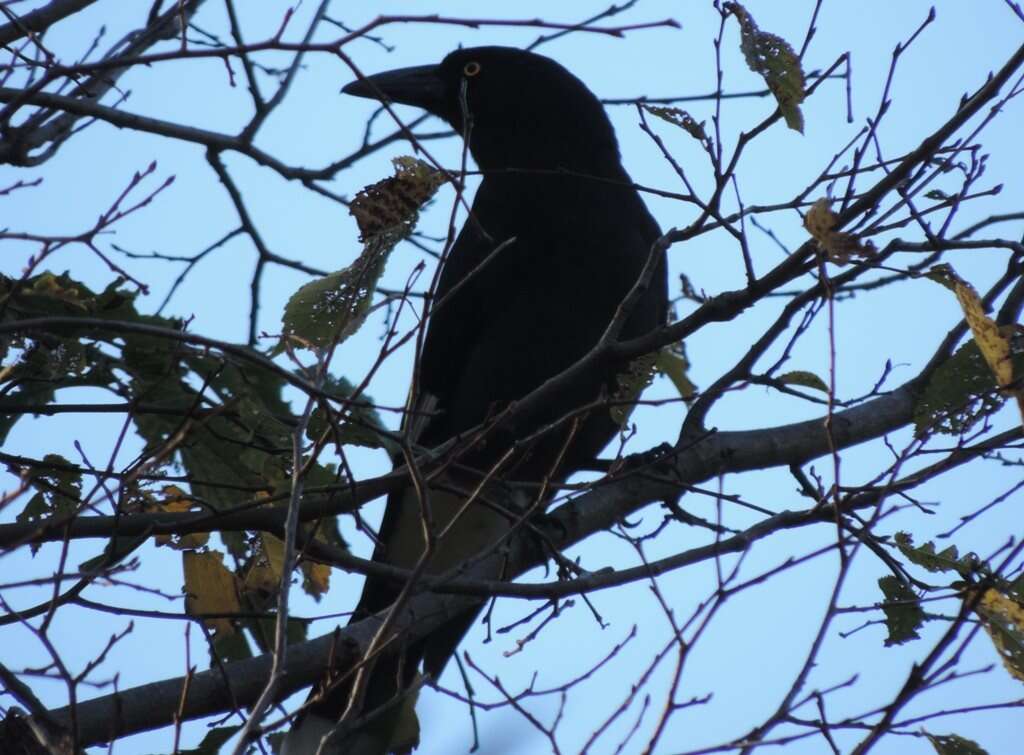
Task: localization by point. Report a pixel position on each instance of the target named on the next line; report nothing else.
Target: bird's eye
(471, 69)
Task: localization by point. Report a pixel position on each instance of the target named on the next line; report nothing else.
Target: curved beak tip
(357, 88)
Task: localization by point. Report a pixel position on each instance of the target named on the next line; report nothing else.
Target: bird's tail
(388, 707)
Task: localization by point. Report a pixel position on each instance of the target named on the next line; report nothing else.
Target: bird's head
(519, 109)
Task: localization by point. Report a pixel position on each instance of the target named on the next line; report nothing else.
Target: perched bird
(555, 239)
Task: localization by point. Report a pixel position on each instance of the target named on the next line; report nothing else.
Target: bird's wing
(526, 315)
(455, 331)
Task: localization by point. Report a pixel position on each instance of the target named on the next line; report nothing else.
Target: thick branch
(153, 705)
(40, 19)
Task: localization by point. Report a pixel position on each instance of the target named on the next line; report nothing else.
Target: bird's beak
(419, 86)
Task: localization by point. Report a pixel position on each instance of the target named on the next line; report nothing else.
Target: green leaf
(903, 613)
(328, 310)
(60, 489)
(631, 383)
(669, 361)
(213, 741)
(405, 736)
(242, 446)
(322, 475)
(37, 367)
(804, 378)
(952, 744)
(960, 392)
(679, 118)
(674, 365)
(774, 60)
(356, 426)
(942, 561)
(231, 647)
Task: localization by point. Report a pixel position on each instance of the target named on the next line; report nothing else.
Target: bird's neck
(551, 196)
(544, 173)
(546, 148)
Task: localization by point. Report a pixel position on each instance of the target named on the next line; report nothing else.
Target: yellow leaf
(674, 365)
(316, 578)
(175, 497)
(264, 573)
(178, 501)
(210, 588)
(994, 346)
(996, 602)
(1003, 619)
(820, 222)
(59, 287)
(993, 341)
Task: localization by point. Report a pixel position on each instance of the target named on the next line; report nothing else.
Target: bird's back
(539, 305)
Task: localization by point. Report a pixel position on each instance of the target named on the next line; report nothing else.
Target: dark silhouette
(556, 238)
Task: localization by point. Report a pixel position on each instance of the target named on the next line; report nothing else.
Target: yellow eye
(471, 69)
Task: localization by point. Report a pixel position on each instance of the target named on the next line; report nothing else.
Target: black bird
(556, 237)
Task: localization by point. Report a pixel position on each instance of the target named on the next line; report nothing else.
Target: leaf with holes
(953, 744)
(774, 60)
(994, 342)
(59, 489)
(631, 383)
(840, 246)
(679, 118)
(328, 310)
(941, 561)
(903, 612)
(959, 393)
(1003, 619)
